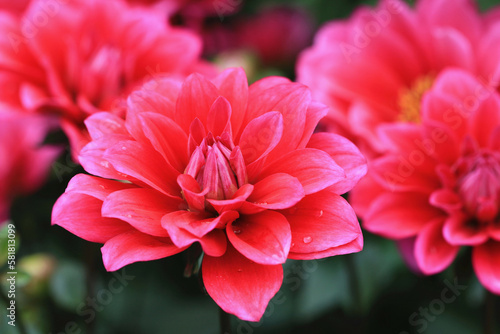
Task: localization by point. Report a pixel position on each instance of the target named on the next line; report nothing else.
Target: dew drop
(240, 270)
(129, 216)
(320, 213)
(307, 240)
(124, 148)
(236, 231)
(293, 244)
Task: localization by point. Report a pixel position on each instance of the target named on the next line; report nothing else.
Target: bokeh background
(64, 288)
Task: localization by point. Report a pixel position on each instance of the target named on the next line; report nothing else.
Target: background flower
(103, 50)
(439, 181)
(24, 162)
(374, 67)
(234, 168)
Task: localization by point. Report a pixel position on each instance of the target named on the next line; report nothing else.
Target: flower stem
(489, 315)
(225, 322)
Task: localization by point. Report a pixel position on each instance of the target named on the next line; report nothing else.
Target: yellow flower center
(410, 98)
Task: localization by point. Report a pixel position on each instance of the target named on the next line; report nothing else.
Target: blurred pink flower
(24, 162)
(439, 181)
(374, 67)
(77, 57)
(232, 167)
(276, 34)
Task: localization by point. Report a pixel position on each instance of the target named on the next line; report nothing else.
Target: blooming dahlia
(374, 67)
(234, 168)
(439, 182)
(24, 163)
(77, 57)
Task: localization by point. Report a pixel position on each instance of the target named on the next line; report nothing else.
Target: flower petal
(277, 191)
(95, 186)
(399, 215)
(142, 208)
(167, 138)
(314, 168)
(485, 259)
(261, 136)
(81, 215)
(195, 99)
(240, 286)
(145, 164)
(233, 85)
(432, 252)
(263, 238)
(459, 231)
(322, 221)
(133, 247)
(345, 154)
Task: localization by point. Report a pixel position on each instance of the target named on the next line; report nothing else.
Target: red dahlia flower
(234, 168)
(24, 164)
(374, 68)
(440, 181)
(76, 57)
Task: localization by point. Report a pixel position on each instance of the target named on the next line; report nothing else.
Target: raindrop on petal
(307, 240)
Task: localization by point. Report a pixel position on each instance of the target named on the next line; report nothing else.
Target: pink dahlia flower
(24, 163)
(234, 168)
(439, 182)
(374, 67)
(76, 57)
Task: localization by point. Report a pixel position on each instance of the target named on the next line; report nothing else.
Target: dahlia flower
(24, 163)
(77, 57)
(374, 67)
(236, 169)
(439, 181)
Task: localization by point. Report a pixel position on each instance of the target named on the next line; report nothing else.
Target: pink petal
(81, 215)
(91, 157)
(104, 123)
(191, 191)
(186, 227)
(145, 164)
(261, 136)
(263, 238)
(320, 222)
(167, 138)
(95, 186)
(195, 99)
(345, 154)
(446, 199)
(219, 117)
(233, 85)
(432, 252)
(142, 208)
(458, 231)
(240, 286)
(133, 247)
(352, 247)
(485, 259)
(277, 191)
(399, 215)
(315, 112)
(315, 169)
(365, 192)
(235, 203)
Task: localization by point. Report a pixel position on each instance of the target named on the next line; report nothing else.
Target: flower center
(479, 184)
(218, 167)
(410, 99)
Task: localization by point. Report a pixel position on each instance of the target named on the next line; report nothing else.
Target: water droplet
(129, 216)
(236, 231)
(124, 148)
(320, 213)
(293, 244)
(105, 164)
(307, 240)
(240, 270)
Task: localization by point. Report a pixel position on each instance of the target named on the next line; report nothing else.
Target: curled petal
(485, 259)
